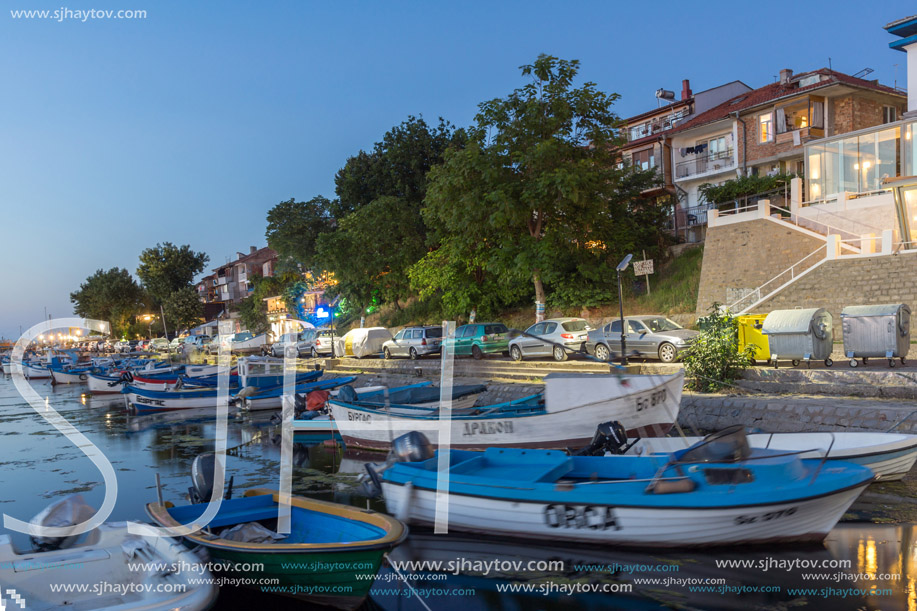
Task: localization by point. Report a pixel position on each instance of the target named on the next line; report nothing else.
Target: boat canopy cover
(424, 394)
(888, 309)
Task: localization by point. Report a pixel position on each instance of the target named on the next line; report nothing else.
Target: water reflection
(38, 465)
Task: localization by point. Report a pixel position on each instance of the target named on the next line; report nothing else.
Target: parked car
(142, 345)
(654, 337)
(480, 338)
(558, 338)
(176, 343)
(414, 342)
(198, 341)
(286, 340)
(159, 344)
(323, 342)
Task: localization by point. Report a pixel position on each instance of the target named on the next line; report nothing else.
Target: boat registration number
(765, 517)
(145, 401)
(651, 400)
(580, 517)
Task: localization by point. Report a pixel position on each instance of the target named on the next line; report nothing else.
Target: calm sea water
(38, 465)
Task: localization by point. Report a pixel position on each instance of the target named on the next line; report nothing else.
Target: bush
(736, 188)
(713, 361)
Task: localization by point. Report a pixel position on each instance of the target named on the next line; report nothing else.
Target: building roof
(263, 254)
(776, 91)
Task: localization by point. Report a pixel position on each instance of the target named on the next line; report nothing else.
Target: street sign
(643, 268)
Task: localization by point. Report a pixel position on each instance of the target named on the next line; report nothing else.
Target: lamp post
(620, 268)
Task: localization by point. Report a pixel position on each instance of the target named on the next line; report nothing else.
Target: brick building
(764, 131)
(232, 282)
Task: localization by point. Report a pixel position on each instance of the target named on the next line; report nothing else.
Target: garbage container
(800, 335)
(750, 334)
(882, 331)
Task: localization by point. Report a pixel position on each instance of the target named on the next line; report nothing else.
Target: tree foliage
(183, 308)
(113, 296)
(714, 361)
(168, 268)
(293, 229)
(537, 196)
(744, 186)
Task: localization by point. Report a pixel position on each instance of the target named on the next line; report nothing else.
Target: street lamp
(149, 319)
(620, 268)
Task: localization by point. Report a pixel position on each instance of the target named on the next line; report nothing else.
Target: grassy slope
(673, 293)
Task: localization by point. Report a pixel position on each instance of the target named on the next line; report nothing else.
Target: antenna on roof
(829, 64)
(863, 72)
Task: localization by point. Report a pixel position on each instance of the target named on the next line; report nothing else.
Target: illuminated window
(766, 127)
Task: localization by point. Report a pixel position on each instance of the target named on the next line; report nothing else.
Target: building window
(766, 127)
(889, 114)
(644, 159)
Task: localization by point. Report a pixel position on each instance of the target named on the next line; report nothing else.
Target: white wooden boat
(70, 377)
(35, 372)
(100, 384)
(890, 455)
(99, 560)
(566, 416)
(719, 492)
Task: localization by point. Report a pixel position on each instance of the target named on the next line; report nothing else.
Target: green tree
(113, 296)
(714, 361)
(183, 308)
(167, 268)
(537, 193)
(293, 229)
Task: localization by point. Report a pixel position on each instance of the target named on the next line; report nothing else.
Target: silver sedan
(555, 337)
(654, 337)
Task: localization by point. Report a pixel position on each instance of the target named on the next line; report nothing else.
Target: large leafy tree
(111, 295)
(379, 231)
(167, 268)
(293, 228)
(167, 272)
(183, 308)
(537, 193)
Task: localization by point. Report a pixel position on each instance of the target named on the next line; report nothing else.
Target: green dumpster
(750, 333)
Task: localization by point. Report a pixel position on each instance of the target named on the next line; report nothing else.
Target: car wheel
(314, 353)
(386, 354)
(476, 353)
(559, 353)
(414, 355)
(602, 353)
(667, 353)
(516, 353)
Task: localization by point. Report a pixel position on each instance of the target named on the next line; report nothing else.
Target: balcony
(655, 126)
(804, 135)
(703, 164)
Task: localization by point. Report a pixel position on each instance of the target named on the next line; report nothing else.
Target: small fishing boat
(717, 492)
(424, 395)
(35, 371)
(565, 415)
(273, 399)
(142, 400)
(333, 551)
(70, 375)
(162, 575)
(890, 455)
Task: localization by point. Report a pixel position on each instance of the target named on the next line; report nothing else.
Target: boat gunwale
(396, 531)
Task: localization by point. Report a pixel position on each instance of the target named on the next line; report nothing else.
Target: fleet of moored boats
(510, 470)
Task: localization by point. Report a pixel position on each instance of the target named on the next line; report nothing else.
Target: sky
(188, 125)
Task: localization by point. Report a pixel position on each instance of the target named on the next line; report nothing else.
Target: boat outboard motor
(610, 437)
(410, 447)
(202, 479)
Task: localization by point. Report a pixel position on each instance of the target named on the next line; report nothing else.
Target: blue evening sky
(187, 126)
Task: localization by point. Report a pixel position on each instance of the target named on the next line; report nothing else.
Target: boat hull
(890, 455)
(99, 385)
(65, 377)
(797, 521)
(647, 408)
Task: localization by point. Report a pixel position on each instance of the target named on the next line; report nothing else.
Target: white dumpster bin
(800, 335)
(880, 331)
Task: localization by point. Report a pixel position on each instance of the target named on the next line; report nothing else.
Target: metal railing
(693, 216)
(720, 160)
(779, 281)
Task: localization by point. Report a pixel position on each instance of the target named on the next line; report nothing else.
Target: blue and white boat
(717, 492)
(142, 400)
(273, 398)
